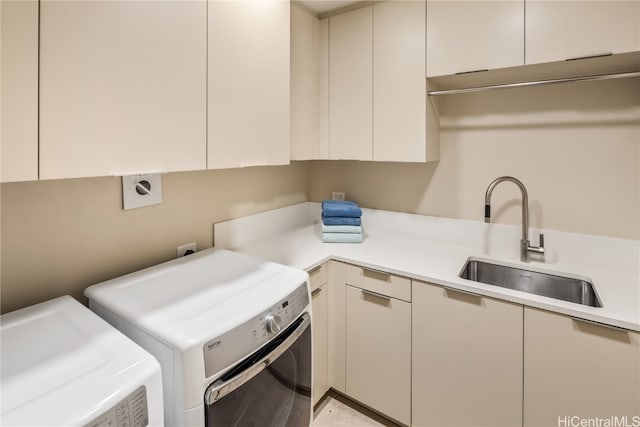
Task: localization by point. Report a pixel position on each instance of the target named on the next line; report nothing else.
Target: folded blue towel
(342, 237)
(339, 202)
(341, 229)
(349, 211)
(336, 220)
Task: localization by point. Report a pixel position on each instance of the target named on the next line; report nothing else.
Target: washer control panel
(132, 411)
(238, 343)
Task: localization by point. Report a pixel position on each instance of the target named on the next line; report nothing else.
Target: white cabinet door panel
(350, 90)
(19, 139)
(465, 36)
(248, 85)
(399, 84)
(559, 30)
(320, 309)
(122, 87)
(378, 353)
(578, 369)
(467, 359)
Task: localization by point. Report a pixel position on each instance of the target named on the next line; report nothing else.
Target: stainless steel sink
(549, 285)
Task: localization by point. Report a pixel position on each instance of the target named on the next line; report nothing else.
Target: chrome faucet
(525, 247)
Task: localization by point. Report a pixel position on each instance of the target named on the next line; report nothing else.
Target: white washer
(64, 366)
(204, 314)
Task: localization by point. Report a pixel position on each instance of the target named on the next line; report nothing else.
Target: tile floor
(336, 411)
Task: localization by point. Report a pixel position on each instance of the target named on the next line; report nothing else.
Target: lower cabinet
(576, 371)
(319, 302)
(466, 359)
(426, 355)
(378, 352)
(320, 310)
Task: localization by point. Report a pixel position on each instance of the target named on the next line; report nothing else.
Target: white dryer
(64, 366)
(232, 334)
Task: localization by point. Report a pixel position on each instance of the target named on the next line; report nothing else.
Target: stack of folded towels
(341, 222)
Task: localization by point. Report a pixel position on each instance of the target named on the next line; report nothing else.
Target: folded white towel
(342, 237)
(341, 229)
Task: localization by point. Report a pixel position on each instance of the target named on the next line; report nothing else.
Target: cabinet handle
(316, 292)
(460, 291)
(373, 270)
(375, 294)
(604, 325)
(596, 55)
(314, 269)
(472, 71)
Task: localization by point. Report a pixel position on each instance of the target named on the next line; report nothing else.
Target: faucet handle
(536, 249)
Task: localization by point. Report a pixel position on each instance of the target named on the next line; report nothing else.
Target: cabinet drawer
(379, 281)
(318, 276)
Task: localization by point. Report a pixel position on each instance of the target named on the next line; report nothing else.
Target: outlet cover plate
(337, 195)
(181, 250)
(131, 199)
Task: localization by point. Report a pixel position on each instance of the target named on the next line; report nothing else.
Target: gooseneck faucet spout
(525, 247)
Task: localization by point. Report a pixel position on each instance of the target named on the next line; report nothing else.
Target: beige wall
(59, 237)
(575, 147)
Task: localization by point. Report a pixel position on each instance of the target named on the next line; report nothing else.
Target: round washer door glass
(279, 395)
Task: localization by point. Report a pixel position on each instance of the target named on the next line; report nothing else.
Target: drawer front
(379, 281)
(318, 276)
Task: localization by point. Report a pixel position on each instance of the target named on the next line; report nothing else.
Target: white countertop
(435, 249)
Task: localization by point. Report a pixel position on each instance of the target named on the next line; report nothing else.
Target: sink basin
(548, 285)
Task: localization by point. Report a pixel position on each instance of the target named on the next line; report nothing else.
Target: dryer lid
(63, 365)
(187, 301)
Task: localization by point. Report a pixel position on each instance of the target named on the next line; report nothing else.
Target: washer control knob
(273, 323)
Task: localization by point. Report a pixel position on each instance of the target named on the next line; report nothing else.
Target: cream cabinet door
(559, 30)
(378, 352)
(122, 87)
(337, 321)
(19, 128)
(576, 369)
(466, 358)
(465, 36)
(399, 84)
(309, 85)
(248, 85)
(350, 85)
(319, 301)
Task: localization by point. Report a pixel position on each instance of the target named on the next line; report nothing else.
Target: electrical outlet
(337, 195)
(141, 190)
(182, 250)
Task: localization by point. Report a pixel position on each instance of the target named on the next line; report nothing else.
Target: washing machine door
(272, 387)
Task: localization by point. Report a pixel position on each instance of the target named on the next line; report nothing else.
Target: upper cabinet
(309, 85)
(464, 36)
(19, 139)
(560, 30)
(350, 85)
(405, 128)
(248, 83)
(378, 109)
(122, 87)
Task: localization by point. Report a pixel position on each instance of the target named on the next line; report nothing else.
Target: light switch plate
(150, 185)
